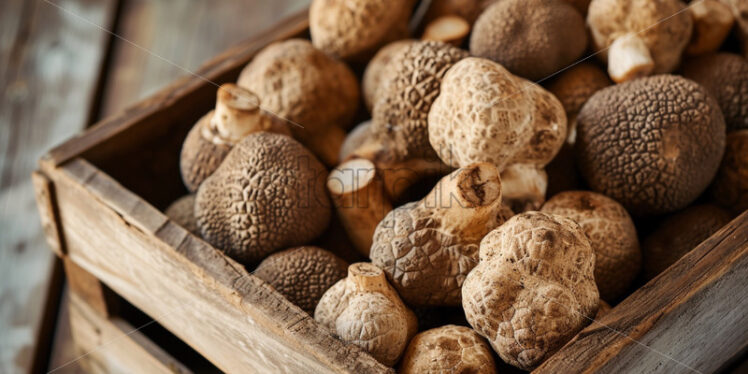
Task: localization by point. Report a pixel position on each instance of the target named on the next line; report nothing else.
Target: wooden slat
(110, 346)
(206, 299)
(49, 65)
(691, 318)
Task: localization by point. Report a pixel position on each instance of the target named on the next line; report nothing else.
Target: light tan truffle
(712, 22)
(379, 69)
(237, 114)
(730, 186)
(612, 235)
(354, 30)
(428, 247)
(543, 264)
(679, 234)
(531, 38)
(268, 194)
(448, 349)
(645, 36)
(182, 212)
(317, 94)
(365, 310)
(353, 140)
(486, 114)
(302, 274)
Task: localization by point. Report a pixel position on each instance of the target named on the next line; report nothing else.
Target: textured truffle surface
(611, 233)
(200, 157)
(679, 234)
(182, 211)
(297, 82)
(353, 29)
(404, 99)
(486, 114)
(533, 289)
(730, 187)
(652, 144)
(380, 69)
(302, 274)
(448, 349)
(725, 75)
(531, 38)
(268, 194)
(663, 26)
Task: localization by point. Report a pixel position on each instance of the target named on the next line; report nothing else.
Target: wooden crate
(100, 196)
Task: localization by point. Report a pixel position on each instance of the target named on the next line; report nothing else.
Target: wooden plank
(691, 318)
(179, 36)
(193, 94)
(49, 65)
(89, 289)
(114, 346)
(206, 299)
(64, 352)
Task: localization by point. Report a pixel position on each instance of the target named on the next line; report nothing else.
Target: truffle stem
(238, 114)
(360, 200)
(629, 58)
(524, 187)
(469, 198)
(366, 277)
(448, 29)
(713, 21)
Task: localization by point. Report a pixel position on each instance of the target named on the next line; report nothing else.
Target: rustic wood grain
(228, 315)
(49, 67)
(691, 318)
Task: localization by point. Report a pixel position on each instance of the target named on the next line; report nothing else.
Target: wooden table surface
(64, 64)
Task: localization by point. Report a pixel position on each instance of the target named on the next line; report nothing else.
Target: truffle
(182, 212)
(448, 349)
(730, 187)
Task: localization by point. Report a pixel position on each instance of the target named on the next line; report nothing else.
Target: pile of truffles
(499, 171)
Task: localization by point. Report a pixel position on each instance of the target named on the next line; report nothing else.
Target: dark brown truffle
(725, 75)
(652, 144)
(679, 234)
(302, 274)
(531, 38)
(182, 212)
(269, 193)
(730, 187)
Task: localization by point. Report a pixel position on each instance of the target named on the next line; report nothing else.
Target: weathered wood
(231, 317)
(690, 318)
(45, 203)
(88, 288)
(64, 352)
(49, 67)
(111, 345)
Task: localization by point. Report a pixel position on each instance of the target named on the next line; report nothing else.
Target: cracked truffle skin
(428, 247)
(302, 274)
(652, 144)
(200, 157)
(352, 30)
(486, 114)
(403, 101)
(299, 83)
(531, 38)
(663, 26)
(534, 287)
(730, 187)
(576, 85)
(725, 75)
(679, 234)
(612, 235)
(448, 349)
(269, 193)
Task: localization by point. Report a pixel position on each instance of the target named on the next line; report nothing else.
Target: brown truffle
(712, 22)
(640, 36)
(725, 75)
(365, 310)
(611, 233)
(354, 30)
(679, 234)
(448, 349)
(269, 193)
(237, 114)
(652, 144)
(730, 187)
(428, 247)
(302, 274)
(534, 287)
(182, 212)
(316, 93)
(379, 69)
(531, 38)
